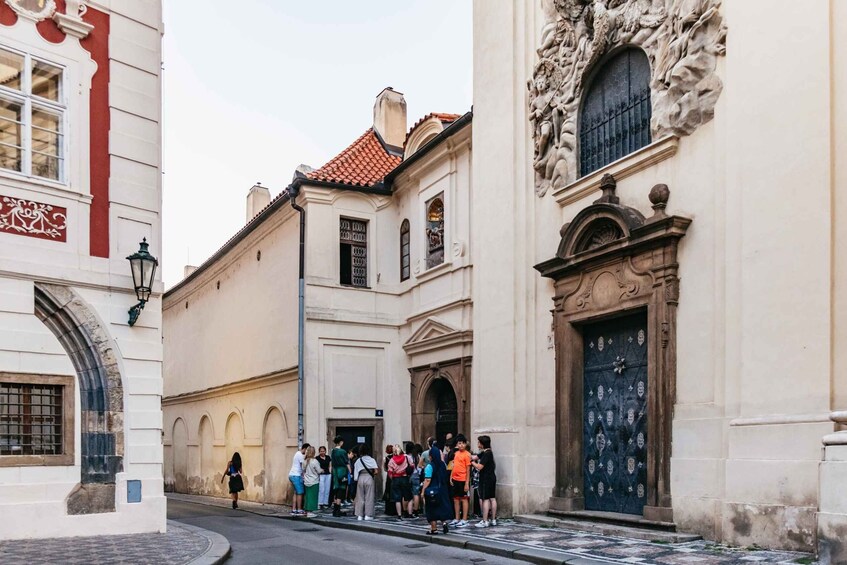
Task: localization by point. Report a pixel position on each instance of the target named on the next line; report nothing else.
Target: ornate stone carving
(682, 39)
(71, 21)
(35, 10)
(33, 219)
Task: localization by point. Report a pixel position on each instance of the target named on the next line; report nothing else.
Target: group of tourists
(438, 482)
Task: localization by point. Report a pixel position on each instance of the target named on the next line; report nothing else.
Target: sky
(254, 88)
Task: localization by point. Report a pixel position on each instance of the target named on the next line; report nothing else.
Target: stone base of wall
(770, 526)
(91, 498)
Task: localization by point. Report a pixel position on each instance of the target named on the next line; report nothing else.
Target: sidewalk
(539, 544)
(182, 544)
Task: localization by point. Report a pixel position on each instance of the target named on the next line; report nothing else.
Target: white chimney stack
(257, 199)
(390, 117)
(188, 271)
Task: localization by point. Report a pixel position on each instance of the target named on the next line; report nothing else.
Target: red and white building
(80, 187)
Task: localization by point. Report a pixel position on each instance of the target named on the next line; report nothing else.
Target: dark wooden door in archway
(446, 414)
(615, 415)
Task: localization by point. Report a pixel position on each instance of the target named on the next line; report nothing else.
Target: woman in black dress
(236, 483)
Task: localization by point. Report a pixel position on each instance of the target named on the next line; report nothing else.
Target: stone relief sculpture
(682, 40)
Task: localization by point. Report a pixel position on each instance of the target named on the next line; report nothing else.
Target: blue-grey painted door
(615, 415)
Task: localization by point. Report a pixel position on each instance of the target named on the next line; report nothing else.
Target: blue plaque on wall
(133, 491)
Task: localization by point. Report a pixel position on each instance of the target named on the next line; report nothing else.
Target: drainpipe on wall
(293, 190)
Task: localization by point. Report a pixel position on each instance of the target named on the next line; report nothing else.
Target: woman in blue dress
(436, 487)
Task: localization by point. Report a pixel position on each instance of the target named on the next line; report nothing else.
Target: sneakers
(482, 524)
(359, 518)
(400, 519)
(462, 524)
(452, 522)
(310, 515)
(368, 518)
(493, 522)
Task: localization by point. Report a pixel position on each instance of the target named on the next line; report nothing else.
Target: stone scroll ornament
(682, 40)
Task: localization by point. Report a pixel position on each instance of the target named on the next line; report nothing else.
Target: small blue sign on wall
(133, 491)
(379, 413)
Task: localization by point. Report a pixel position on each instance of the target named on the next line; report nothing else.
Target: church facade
(659, 233)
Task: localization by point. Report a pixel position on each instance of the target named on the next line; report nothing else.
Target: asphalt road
(259, 540)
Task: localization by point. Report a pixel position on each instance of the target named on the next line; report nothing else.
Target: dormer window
(32, 116)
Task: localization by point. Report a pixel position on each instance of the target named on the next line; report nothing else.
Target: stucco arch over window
(614, 117)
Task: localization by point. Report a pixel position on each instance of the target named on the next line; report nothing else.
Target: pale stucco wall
(755, 314)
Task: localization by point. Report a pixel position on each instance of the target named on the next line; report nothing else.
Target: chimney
(188, 271)
(257, 199)
(390, 117)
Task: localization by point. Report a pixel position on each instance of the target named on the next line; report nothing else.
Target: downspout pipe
(293, 191)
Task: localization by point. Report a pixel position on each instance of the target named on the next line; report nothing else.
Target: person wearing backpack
(399, 470)
(364, 471)
(436, 490)
(340, 469)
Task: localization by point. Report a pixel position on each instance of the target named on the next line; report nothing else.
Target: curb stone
(219, 548)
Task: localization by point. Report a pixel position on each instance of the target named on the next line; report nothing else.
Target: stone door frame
(613, 262)
(458, 373)
(378, 447)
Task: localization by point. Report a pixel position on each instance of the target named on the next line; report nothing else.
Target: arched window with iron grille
(405, 252)
(614, 119)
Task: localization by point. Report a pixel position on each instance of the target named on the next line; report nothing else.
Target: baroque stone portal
(682, 40)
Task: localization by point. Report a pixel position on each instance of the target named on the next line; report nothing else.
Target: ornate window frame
(434, 234)
(637, 271)
(79, 69)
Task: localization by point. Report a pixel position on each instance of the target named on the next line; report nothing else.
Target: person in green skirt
(311, 480)
(340, 464)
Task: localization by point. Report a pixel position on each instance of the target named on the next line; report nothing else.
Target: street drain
(416, 545)
(477, 560)
(307, 529)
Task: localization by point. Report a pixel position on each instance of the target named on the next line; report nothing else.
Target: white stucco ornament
(35, 10)
(682, 40)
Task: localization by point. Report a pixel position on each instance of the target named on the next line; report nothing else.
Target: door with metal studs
(615, 415)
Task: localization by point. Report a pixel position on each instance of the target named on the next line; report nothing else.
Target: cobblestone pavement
(178, 545)
(587, 545)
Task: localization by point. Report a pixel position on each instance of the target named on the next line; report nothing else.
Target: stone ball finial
(659, 196)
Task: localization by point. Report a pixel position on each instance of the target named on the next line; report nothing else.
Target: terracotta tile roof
(364, 163)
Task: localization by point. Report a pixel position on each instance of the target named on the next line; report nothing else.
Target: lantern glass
(135, 267)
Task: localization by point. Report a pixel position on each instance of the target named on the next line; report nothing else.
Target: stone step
(590, 522)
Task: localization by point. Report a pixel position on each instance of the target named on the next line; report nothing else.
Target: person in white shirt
(295, 476)
(364, 472)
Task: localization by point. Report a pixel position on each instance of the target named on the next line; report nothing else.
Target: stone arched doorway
(90, 348)
(441, 399)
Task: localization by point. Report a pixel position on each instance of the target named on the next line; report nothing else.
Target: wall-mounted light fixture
(143, 267)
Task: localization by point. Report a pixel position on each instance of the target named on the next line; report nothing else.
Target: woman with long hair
(311, 480)
(436, 489)
(236, 483)
(390, 509)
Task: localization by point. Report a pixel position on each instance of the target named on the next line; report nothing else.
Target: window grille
(30, 419)
(354, 252)
(616, 111)
(405, 251)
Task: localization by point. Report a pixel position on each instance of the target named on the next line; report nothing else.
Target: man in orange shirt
(460, 481)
